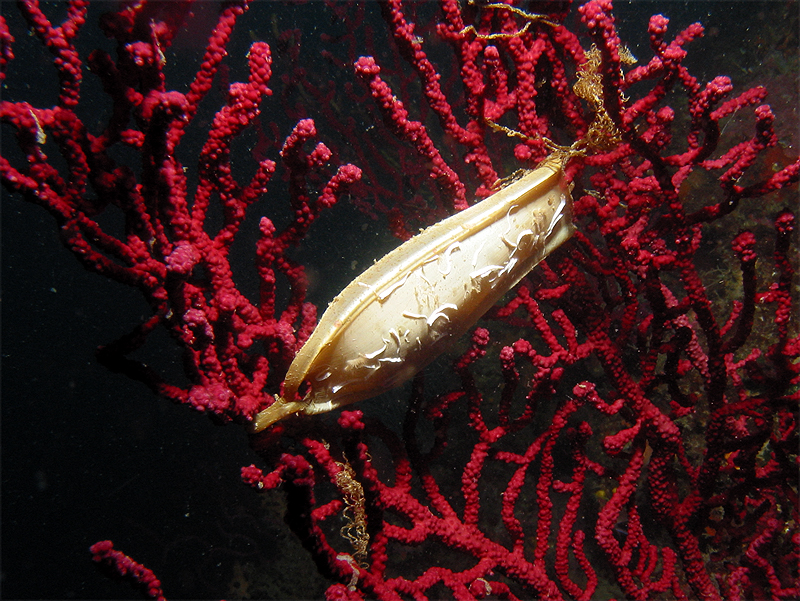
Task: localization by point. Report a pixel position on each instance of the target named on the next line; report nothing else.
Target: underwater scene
(400, 300)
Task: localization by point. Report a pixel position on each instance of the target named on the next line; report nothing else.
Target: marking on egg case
(484, 272)
(423, 278)
(557, 215)
(509, 266)
(386, 292)
(477, 253)
(450, 250)
(396, 336)
(369, 287)
(515, 247)
(323, 376)
(374, 354)
(509, 224)
(360, 362)
(439, 312)
(436, 314)
(391, 359)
